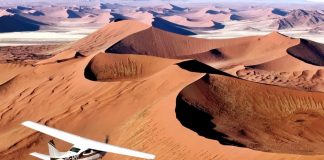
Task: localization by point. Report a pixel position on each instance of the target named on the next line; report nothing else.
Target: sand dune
(265, 62)
(144, 17)
(103, 18)
(189, 22)
(110, 6)
(177, 108)
(246, 116)
(36, 13)
(305, 80)
(164, 44)
(97, 42)
(57, 12)
(171, 27)
(300, 68)
(212, 14)
(104, 67)
(260, 13)
(67, 16)
(280, 64)
(308, 51)
(16, 23)
(286, 71)
(236, 51)
(13, 10)
(25, 10)
(71, 81)
(73, 14)
(177, 8)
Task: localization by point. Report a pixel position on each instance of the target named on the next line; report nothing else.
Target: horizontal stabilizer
(40, 156)
(53, 152)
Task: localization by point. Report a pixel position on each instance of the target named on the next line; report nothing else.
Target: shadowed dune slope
(192, 22)
(309, 51)
(184, 26)
(17, 23)
(171, 27)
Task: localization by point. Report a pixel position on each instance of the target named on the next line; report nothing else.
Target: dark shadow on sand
(309, 52)
(199, 67)
(88, 73)
(200, 122)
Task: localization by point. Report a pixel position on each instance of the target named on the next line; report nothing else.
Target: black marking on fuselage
(82, 155)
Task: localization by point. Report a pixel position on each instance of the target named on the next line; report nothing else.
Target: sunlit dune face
(110, 67)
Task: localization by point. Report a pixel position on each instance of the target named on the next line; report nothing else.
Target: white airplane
(83, 148)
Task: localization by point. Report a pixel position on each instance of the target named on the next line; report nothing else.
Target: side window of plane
(76, 150)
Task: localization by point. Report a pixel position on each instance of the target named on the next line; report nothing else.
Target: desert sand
(174, 96)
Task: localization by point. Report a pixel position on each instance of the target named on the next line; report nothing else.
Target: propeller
(107, 139)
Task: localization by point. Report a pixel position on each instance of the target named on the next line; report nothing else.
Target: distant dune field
(44, 24)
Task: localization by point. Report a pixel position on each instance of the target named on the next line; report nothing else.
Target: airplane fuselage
(94, 155)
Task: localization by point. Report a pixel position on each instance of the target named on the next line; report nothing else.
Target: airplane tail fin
(53, 152)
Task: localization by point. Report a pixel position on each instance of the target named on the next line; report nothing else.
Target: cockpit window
(76, 150)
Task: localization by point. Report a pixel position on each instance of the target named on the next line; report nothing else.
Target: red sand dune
(234, 51)
(99, 41)
(261, 117)
(104, 67)
(273, 54)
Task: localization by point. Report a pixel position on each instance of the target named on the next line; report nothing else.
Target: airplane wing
(40, 156)
(87, 143)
